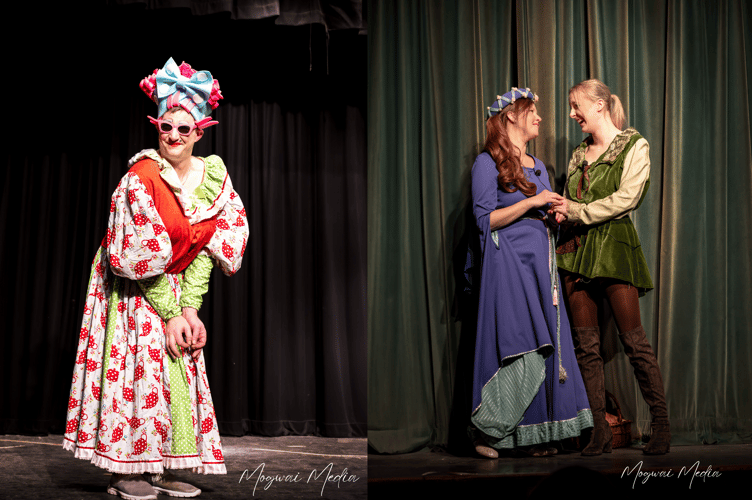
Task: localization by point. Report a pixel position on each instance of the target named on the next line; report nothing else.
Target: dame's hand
(198, 331)
(178, 331)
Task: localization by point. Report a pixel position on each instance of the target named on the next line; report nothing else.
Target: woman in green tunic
(600, 255)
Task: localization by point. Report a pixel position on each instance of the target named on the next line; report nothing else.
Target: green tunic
(610, 249)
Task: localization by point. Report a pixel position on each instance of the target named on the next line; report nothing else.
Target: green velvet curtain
(682, 70)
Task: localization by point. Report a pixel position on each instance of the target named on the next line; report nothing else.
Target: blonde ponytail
(596, 89)
(617, 112)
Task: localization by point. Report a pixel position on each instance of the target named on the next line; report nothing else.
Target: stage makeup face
(175, 147)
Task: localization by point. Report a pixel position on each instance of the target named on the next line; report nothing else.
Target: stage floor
(39, 468)
(625, 473)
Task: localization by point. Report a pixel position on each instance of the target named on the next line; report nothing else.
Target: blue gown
(527, 387)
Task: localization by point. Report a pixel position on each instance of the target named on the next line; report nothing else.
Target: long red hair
(504, 153)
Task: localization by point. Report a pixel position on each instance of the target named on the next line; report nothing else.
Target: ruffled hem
(153, 466)
(211, 469)
(195, 464)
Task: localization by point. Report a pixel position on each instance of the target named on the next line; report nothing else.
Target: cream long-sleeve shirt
(634, 176)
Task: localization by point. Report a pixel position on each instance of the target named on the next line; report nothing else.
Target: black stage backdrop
(287, 334)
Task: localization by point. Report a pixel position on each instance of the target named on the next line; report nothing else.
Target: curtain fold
(682, 71)
(552, 47)
(332, 14)
(705, 220)
(403, 349)
(427, 75)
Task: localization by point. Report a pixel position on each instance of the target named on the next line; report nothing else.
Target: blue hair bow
(194, 92)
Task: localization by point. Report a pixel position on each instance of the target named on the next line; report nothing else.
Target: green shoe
(169, 485)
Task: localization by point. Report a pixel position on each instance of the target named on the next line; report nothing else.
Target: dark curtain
(683, 71)
(332, 14)
(287, 334)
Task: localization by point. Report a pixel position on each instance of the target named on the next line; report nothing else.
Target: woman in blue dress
(527, 389)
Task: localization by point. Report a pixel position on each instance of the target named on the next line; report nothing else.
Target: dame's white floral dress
(132, 409)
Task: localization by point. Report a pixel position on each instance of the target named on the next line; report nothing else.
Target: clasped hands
(557, 204)
(186, 331)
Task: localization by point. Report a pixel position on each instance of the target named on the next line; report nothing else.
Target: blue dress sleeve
(483, 186)
(484, 190)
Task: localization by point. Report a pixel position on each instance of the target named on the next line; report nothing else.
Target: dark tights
(583, 298)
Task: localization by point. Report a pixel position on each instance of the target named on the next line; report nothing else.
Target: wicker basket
(620, 428)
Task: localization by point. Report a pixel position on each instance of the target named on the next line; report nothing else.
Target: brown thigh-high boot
(587, 348)
(649, 378)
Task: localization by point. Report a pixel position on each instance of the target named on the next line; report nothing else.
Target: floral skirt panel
(132, 409)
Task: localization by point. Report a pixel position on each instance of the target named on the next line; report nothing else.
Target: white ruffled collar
(192, 209)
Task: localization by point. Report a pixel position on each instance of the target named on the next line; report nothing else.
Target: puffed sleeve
(138, 245)
(634, 176)
(227, 245)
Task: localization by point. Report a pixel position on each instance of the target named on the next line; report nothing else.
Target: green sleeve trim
(159, 294)
(196, 282)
